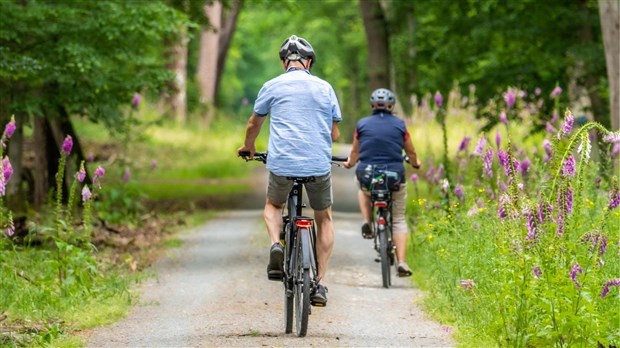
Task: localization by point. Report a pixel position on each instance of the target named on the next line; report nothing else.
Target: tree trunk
(40, 170)
(375, 25)
(176, 101)
(610, 26)
(209, 47)
(229, 23)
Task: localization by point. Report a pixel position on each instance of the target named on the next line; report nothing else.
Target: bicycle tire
(302, 287)
(385, 258)
(288, 284)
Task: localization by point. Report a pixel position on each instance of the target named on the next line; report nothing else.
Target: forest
(117, 89)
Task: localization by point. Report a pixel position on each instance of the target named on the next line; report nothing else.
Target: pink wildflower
(503, 118)
(537, 272)
(9, 129)
(438, 99)
(556, 92)
(86, 194)
(614, 282)
(479, 149)
(568, 123)
(67, 145)
(7, 169)
(135, 101)
(574, 272)
(568, 167)
(510, 97)
(80, 175)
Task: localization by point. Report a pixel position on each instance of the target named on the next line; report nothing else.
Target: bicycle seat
(301, 179)
(380, 195)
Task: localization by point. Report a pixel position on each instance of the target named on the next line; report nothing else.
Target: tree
(88, 59)
(214, 44)
(377, 38)
(610, 26)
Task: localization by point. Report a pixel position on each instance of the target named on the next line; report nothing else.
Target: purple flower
(414, 177)
(438, 99)
(537, 91)
(537, 272)
(11, 230)
(430, 173)
(498, 139)
(135, 102)
(568, 199)
(556, 92)
(468, 284)
(67, 145)
(487, 162)
(503, 118)
(126, 175)
(554, 117)
(613, 282)
(90, 157)
(568, 167)
(504, 200)
(549, 128)
(154, 164)
(568, 123)
(560, 221)
(614, 198)
(576, 270)
(7, 169)
(504, 160)
(81, 174)
(544, 210)
(99, 172)
(615, 150)
(464, 144)
(525, 166)
(479, 149)
(531, 226)
(86, 194)
(612, 137)
(459, 191)
(510, 97)
(9, 129)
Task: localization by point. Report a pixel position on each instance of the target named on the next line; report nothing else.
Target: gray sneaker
(319, 298)
(276, 258)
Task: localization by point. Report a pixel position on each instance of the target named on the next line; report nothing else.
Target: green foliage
(87, 57)
(525, 256)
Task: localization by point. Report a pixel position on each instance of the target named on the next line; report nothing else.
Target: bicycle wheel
(288, 282)
(385, 257)
(302, 286)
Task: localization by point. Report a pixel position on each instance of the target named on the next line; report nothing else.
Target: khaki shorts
(319, 191)
(399, 201)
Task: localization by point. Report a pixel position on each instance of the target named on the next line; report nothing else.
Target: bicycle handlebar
(406, 159)
(262, 157)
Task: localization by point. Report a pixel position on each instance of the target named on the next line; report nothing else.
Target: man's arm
(335, 131)
(410, 151)
(353, 155)
(251, 133)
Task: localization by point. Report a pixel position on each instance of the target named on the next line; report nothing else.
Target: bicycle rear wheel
(288, 282)
(302, 286)
(385, 257)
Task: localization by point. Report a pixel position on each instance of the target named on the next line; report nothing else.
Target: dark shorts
(319, 191)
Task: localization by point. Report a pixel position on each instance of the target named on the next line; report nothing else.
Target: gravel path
(214, 292)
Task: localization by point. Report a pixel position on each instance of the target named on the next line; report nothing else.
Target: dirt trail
(214, 292)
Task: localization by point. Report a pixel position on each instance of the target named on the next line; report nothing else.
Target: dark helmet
(296, 48)
(382, 98)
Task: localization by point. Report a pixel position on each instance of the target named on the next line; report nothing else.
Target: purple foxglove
(9, 129)
(525, 166)
(438, 99)
(464, 144)
(556, 92)
(67, 145)
(498, 139)
(568, 123)
(459, 191)
(510, 97)
(7, 169)
(574, 272)
(81, 174)
(568, 167)
(135, 101)
(479, 149)
(614, 282)
(414, 177)
(537, 272)
(487, 161)
(612, 137)
(86, 194)
(550, 129)
(503, 118)
(614, 198)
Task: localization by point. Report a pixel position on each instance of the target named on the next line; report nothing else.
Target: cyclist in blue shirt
(304, 115)
(380, 140)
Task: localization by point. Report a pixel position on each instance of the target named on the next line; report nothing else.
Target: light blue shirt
(302, 108)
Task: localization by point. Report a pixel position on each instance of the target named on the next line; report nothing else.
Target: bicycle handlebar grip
(340, 158)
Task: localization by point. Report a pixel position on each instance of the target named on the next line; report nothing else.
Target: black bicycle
(298, 236)
(381, 200)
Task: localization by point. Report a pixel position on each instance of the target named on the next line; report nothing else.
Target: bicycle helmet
(296, 48)
(382, 98)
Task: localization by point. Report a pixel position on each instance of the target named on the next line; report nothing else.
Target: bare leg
(273, 219)
(364, 203)
(400, 241)
(324, 240)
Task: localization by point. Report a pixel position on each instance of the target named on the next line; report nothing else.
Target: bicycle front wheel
(385, 257)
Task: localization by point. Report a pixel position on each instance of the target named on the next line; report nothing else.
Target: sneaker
(276, 259)
(319, 298)
(367, 232)
(403, 270)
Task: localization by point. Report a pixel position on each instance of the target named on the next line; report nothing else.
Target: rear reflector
(303, 223)
(381, 204)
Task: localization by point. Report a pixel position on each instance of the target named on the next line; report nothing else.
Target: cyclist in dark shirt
(380, 140)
